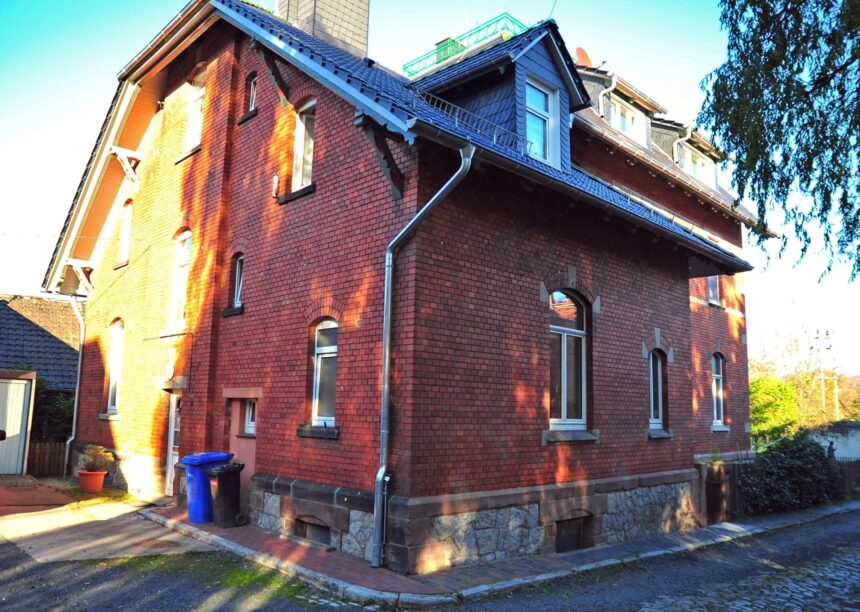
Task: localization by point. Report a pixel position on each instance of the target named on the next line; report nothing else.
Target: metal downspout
(82, 328)
(466, 155)
(601, 105)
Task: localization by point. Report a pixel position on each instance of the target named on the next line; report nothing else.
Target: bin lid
(204, 458)
(226, 468)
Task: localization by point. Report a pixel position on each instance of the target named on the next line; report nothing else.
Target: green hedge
(792, 474)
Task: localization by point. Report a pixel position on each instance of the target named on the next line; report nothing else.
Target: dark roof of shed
(40, 334)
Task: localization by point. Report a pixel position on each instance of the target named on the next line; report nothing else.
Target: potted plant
(97, 460)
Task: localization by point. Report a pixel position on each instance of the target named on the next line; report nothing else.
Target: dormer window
(698, 165)
(542, 122)
(629, 121)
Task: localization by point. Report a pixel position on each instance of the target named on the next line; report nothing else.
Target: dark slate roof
(401, 97)
(40, 334)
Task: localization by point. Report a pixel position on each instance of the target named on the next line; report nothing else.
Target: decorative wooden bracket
(383, 154)
(275, 75)
(129, 161)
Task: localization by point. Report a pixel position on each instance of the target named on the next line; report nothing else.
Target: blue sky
(58, 66)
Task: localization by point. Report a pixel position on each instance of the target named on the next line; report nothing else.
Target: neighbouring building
(540, 361)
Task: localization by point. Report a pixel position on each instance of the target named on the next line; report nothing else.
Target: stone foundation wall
(489, 534)
(431, 533)
(648, 511)
(279, 504)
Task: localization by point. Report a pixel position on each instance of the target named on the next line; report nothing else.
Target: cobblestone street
(829, 585)
(809, 567)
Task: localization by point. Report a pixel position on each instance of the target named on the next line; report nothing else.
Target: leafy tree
(785, 106)
(773, 408)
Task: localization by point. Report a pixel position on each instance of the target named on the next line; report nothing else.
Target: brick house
(490, 310)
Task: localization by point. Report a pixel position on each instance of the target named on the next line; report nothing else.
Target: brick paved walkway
(333, 563)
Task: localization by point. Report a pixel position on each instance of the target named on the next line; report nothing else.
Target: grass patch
(218, 569)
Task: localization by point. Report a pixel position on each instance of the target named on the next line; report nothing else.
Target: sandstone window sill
(109, 416)
(660, 434)
(312, 431)
(247, 436)
(246, 117)
(720, 428)
(233, 311)
(295, 195)
(120, 265)
(569, 436)
(190, 152)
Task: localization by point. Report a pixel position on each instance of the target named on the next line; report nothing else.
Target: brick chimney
(342, 23)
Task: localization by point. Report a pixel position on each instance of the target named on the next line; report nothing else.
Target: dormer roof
(626, 88)
(501, 55)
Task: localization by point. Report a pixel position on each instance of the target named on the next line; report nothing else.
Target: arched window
(718, 366)
(658, 387)
(325, 373)
(124, 233)
(115, 352)
(237, 279)
(251, 92)
(303, 149)
(567, 362)
(182, 266)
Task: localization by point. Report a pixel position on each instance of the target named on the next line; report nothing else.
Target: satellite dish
(581, 57)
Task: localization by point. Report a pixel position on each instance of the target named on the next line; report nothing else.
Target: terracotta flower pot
(91, 482)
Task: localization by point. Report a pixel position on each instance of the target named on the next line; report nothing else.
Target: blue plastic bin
(197, 483)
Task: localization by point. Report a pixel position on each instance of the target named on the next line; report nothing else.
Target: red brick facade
(470, 397)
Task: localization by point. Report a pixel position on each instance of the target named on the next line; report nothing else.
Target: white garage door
(15, 419)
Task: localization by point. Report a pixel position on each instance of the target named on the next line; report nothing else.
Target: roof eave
(724, 263)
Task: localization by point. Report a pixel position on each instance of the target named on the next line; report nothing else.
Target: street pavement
(815, 566)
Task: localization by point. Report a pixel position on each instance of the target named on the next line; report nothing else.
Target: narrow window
(567, 362)
(629, 121)
(194, 123)
(303, 150)
(250, 417)
(718, 363)
(540, 122)
(252, 91)
(238, 279)
(325, 373)
(125, 233)
(714, 290)
(182, 266)
(117, 341)
(657, 371)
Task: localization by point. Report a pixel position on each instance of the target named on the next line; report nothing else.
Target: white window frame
(713, 287)
(656, 359)
(300, 136)
(639, 135)
(238, 279)
(250, 427)
(553, 136)
(564, 422)
(194, 114)
(320, 353)
(117, 348)
(125, 232)
(698, 165)
(252, 93)
(718, 388)
(181, 273)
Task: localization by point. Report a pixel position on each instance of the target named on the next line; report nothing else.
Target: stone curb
(363, 596)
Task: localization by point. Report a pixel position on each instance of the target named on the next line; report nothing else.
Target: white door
(172, 440)
(15, 419)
